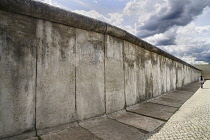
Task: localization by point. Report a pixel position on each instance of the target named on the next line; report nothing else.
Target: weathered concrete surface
(55, 14)
(153, 110)
(108, 129)
(17, 74)
(163, 74)
(90, 98)
(141, 72)
(181, 75)
(114, 75)
(173, 77)
(74, 133)
(205, 70)
(55, 75)
(148, 74)
(156, 67)
(132, 73)
(168, 76)
(142, 122)
(141, 82)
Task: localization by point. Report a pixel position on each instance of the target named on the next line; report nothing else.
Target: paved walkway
(191, 121)
(139, 122)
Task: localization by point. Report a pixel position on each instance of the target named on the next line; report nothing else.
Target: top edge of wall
(202, 65)
(54, 14)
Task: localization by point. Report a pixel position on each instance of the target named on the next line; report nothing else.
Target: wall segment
(90, 98)
(55, 74)
(58, 67)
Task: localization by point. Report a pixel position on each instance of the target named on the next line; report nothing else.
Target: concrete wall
(57, 67)
(55, 74)
(114, 74)
(17, 73)
(90, 96)
(205, 70)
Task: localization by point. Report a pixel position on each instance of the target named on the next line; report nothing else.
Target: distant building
(205, 70)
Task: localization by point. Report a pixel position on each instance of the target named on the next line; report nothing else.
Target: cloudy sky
(179, 27)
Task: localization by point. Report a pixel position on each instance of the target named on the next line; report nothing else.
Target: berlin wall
(58, 67)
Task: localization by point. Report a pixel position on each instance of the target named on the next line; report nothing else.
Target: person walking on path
(201, 80)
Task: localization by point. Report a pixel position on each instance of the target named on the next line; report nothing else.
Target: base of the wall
(20, 136)
(41, 132)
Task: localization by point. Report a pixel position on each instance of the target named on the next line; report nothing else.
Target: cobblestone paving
(191, 121)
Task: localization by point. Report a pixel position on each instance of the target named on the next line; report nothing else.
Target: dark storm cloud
(169, 41)
(169, 38)
(178, 13)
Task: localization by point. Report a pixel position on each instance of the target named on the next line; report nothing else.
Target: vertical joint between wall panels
(75, 73)
(105, 47)
(35, 97)
(123, 53)
(105, 72)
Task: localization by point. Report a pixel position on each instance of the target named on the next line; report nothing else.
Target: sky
(179, 27)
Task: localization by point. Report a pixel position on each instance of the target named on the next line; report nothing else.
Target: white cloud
(144, 9)
(193, 35)
(173, 25)
(93, 14)
(192, 60)
(80, 2)
(192, 44)
(48, 1)
(169, 24)
(129, 29)
(54, 3)
(166, 38)
(115, 19)
(95, 1)
(161, 15)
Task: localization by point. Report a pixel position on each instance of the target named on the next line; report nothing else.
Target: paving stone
(26, 136)
(195, 84)
(168, 101)
(193, 87)
(188, 88)
(155, 110)
(108, 129)
(180, 95)
(191, 121)
(33, 138)
(142, 122)
(74, 133)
